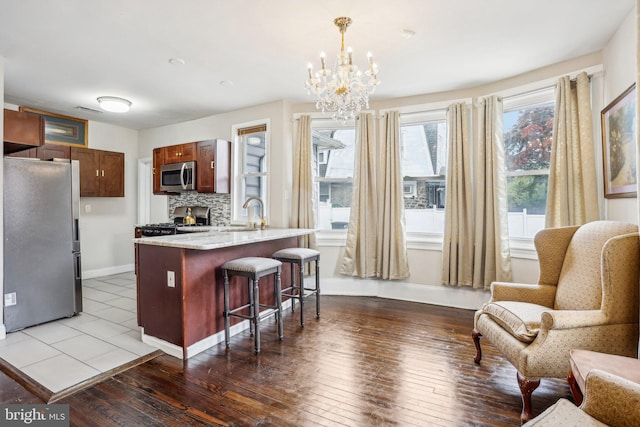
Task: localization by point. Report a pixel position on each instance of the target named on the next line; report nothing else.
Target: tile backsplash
(218, 204)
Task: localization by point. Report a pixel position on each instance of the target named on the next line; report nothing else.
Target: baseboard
(90, 274)
(466, 298)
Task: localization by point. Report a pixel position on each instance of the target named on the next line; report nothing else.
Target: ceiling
(61, 54)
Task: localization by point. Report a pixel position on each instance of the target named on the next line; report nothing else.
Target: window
(333, 150)
(250, 169)
(528, 132)
(423, 144)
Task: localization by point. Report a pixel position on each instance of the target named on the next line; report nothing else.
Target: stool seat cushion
(583, 361)
(296, 253)
(251, 264)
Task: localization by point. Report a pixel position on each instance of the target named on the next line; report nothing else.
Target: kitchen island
(180, 292)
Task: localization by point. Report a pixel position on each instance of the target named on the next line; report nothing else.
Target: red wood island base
(180, 292)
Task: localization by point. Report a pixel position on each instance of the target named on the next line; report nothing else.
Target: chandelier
(342, 91)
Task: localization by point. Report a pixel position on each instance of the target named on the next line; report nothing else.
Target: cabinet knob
(102, 172)
(97, 172)
(211, 164)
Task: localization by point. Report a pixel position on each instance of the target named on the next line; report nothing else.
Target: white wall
(620, 73)
(107, 231)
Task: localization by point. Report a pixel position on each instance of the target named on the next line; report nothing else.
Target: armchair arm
(535, 294)
(571, 319)
(611, 399)
(551, 245)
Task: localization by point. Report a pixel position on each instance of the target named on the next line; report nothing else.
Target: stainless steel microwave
(178, 176)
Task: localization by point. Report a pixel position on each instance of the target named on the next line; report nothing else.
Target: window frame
(238, 213)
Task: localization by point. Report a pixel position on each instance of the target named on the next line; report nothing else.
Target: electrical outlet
(10, 299)
(171, 279)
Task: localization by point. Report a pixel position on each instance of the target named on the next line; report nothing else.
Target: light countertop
(216, 238)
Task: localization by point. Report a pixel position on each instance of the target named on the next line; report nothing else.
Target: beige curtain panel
(360, 251)
(491, 260)
(457, 248)
(572, 198)
(302, 214)
(391, 246)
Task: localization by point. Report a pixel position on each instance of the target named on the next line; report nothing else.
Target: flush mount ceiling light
(114, 104)
(342, 90)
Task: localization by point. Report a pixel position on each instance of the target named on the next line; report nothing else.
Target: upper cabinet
(101, 172)
(213, 165)
(45, 152)
(22, 131)
(180, 153)
(158, 161)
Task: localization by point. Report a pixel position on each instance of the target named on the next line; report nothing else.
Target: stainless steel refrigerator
(42, 275)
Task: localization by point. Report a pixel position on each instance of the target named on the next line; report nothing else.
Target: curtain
(391, 246)
(572, 198)
(457, 249)
(302, 214)
(491, 260)
(360, 251)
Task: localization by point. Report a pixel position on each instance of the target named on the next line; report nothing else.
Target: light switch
(171, 279)
(87, 208)
(10, 299)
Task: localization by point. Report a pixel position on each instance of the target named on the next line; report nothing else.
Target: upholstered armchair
(586, 298)
(609, 400)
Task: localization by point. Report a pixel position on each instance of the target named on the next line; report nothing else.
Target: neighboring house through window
(250, 165)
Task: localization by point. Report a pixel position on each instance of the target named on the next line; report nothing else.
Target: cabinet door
(172, 154)
(158, 161)
(213, 166)
(205, 159)
(51, 151)
(31, 153)
(188, 152)
(22, 130)
(89, 170)
(111, 174)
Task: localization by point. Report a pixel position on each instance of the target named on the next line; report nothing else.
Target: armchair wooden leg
(527, 386)
(575, 390)
(476, 340)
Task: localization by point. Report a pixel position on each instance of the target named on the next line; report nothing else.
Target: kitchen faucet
(263, 220)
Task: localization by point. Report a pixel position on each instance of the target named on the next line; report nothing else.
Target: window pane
(250, 170)
(334, 151)
(528, 133)
(424, 160)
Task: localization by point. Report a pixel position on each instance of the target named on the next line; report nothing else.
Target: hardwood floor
(365, 362)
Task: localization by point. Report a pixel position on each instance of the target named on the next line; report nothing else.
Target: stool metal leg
(256, 315)
(278, 297)
(293, 287)
(317, 288)
(226, 308)
(301, 291)
(251, 312)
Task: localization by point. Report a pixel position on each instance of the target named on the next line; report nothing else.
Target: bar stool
(300, 257)
(253, 268)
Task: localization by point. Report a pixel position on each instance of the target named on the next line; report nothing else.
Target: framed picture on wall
(619, 146)
(59, 129)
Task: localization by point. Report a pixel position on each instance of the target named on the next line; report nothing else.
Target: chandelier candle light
(342, 90)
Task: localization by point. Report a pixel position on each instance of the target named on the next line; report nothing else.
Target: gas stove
(164, 229)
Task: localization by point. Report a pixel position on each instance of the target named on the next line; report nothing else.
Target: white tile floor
(66, 352)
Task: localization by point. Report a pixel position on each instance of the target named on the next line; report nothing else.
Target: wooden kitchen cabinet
(101, 172)
(22, 131)
(180, 153)
(45, 152)
(158, 161)
(213, 166)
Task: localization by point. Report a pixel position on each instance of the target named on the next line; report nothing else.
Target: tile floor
(68, 351)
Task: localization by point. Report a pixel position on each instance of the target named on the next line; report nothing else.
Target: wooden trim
(252, 129)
